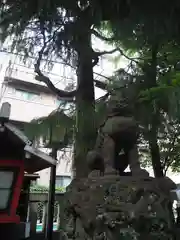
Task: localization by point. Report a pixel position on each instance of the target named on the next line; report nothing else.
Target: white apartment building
(29, 99)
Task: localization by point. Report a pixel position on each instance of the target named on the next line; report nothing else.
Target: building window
(28, 96)
(34, 182)
(62, 181)
(58, 102)
(6, 186)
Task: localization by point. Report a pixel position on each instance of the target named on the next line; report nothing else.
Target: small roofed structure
(15, 145)
(18, 157)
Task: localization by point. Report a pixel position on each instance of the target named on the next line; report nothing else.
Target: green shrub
(44, 189)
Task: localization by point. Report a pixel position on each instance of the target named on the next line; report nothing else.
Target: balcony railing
(20, 74)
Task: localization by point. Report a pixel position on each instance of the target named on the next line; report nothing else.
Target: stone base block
(114, 207)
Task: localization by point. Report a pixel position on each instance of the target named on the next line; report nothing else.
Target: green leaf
(56, 128)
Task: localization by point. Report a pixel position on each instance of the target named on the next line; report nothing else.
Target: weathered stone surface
(111, 207)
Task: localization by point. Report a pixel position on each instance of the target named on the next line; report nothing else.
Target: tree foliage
(55, 130)
(153, 87)
(53, 29)
(150, 38)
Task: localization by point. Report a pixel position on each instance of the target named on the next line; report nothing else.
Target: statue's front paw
(94, 174)
(110, 171)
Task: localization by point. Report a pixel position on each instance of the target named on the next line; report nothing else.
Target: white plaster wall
(26, 110)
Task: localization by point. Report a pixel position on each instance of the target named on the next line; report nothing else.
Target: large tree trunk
(85, 107)
(85, 130)
(155, 153)
(153, 143)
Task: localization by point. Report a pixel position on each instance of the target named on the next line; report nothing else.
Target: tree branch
(103, 98)
(167, 161)
(101, 85)
(106, 52)
(64, 63)
(103, 38)
(121, 53)
(42, 78)
(167, 167)
(98, 35)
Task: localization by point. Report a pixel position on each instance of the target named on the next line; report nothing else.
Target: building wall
(63, 170)
(27, 105)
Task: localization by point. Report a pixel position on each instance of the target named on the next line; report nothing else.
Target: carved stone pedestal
(114, 208)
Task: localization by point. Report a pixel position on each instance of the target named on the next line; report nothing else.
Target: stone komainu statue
(118, 133)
